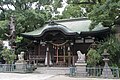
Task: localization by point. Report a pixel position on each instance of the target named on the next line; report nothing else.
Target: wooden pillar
(38, 56)
(73, 57)
(57, 55)
(74, 45)
(35, 52)
(64, 53)
(69, 57)
(38, 49)
(73, 60)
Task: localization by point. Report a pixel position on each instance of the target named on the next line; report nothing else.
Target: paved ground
(35, 76)
(17, 76)
(63, 77)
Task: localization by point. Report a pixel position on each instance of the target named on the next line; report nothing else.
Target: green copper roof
(69, 27)
(77, 26)
(48, 27)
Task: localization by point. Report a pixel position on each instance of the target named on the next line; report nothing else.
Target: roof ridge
(67, 20)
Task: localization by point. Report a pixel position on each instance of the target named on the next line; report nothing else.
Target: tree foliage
(113, 47)
(28, 20)
(8, 55)
(93, 57)
(29, 14)
(105, 13)
(73, 11)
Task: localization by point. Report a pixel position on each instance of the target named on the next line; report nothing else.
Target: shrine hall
(57, 42)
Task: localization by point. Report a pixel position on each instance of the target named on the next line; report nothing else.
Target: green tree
(3, 29)
(106, 13)
(113, 47)
(8, 55)
(73, 11)
(93, 57)
(27, 16)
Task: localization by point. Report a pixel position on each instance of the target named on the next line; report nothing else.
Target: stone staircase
(53, 70)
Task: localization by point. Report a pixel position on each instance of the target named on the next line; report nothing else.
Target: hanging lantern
(61, 47)
(68, 48)
(54, 47)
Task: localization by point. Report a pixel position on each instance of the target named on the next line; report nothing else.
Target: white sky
(34, 5)
(64, 5)
(10, 6)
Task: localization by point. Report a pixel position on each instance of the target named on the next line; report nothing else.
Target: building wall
(83, 47)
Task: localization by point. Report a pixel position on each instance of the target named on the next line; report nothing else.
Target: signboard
(79, 41)
(89, 40)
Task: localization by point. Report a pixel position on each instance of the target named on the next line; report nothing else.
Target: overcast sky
(33, 6)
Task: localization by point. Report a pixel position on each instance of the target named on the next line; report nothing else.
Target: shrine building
(56, 43)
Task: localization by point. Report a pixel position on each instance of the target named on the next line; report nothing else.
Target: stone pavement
(63, 77)
(29, 76)
(36, 76)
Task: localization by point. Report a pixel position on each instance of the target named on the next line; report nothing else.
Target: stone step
(53, 70)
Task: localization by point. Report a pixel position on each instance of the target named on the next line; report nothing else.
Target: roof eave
(95, 33)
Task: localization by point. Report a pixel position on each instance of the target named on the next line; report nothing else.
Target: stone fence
(20, 68)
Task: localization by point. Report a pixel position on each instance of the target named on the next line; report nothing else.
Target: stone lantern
(106, 73)
(106, 57)
(94, 45)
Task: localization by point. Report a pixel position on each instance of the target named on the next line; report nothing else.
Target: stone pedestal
(20, 65)
(81, 65)
(106, 73)
(81, 69)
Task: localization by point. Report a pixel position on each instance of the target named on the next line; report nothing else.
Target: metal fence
(96, 72)
(90, 71)
(16, 68)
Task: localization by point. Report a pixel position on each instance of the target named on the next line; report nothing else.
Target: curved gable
(68, 27)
